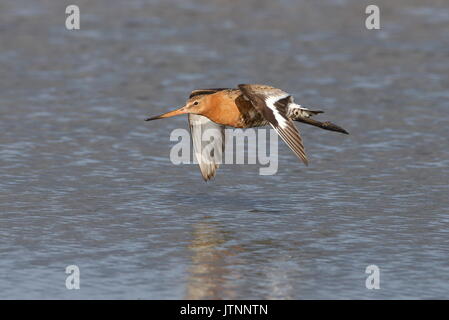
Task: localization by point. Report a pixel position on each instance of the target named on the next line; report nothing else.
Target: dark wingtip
(209, 178)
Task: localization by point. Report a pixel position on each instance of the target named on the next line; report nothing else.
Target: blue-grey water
(85, 181)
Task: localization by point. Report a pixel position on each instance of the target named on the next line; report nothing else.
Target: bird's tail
(313, 112)
(295, 110)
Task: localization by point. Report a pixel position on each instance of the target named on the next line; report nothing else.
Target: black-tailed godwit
(250, 105)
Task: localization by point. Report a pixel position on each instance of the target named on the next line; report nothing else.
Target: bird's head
(195, 105)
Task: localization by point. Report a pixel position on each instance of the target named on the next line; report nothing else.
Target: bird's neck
(222, 110)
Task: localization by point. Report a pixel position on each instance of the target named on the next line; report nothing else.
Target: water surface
(85, 181)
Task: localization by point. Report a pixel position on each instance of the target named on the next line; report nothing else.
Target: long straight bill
(168, 114)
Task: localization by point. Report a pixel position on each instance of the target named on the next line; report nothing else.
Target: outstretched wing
(273, 103)
(209, 152)
(198, 92)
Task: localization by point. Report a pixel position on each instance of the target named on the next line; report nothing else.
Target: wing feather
(273, 103)
(198, 92)
(208, 153)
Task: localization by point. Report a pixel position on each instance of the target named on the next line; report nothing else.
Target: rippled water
(85, 181)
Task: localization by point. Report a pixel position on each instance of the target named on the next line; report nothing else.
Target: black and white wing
(273, 103)
(208, 144)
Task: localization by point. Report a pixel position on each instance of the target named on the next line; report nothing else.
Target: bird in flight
(247, 106)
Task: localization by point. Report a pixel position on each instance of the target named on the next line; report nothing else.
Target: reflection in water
(216, 270)
(279, 278)
(209, 275)
(84, 180)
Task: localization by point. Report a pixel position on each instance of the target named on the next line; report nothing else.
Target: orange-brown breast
(230, 108)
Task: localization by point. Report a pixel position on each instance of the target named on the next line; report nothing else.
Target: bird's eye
(195, 103)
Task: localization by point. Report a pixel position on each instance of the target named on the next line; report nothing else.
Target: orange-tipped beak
(169, 114)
